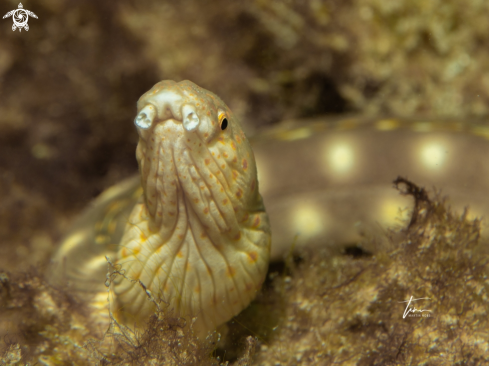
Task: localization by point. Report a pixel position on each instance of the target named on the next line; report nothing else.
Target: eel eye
(223, 121)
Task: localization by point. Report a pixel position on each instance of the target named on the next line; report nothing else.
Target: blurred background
(69, 86)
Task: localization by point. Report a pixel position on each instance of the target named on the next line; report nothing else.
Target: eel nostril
(145, 118)
(190, 118)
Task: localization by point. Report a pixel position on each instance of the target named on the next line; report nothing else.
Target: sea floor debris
(335, 309)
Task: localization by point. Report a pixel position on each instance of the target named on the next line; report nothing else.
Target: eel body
(324, 182)
(196, 238)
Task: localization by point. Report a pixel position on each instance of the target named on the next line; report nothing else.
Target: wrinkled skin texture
(199, 237)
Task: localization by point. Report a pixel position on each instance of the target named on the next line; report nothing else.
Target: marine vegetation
(318, 309)
(350, 310)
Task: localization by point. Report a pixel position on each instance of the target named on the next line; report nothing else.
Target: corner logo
(20, 17)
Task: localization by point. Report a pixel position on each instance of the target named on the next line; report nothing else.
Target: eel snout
(166, 105)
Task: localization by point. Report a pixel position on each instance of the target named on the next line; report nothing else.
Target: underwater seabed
(321, 309)
(387, 276)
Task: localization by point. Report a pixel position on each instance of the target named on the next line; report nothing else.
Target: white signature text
(414, 312)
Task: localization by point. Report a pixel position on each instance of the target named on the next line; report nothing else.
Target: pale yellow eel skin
(324, 183)
(198, 236)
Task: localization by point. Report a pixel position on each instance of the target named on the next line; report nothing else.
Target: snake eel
(197, 236)
(192, 228)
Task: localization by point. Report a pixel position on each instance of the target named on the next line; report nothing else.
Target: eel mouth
(174, 134)
(176, 166)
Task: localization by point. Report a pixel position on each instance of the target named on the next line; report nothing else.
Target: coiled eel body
(192, 227)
